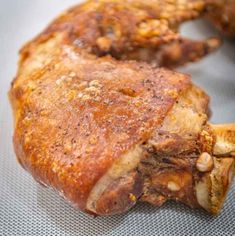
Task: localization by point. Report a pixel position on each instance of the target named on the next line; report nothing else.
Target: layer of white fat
(203, 192)
(186, 116)
(122, 166)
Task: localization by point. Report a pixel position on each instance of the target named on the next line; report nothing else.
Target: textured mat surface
(26, 208)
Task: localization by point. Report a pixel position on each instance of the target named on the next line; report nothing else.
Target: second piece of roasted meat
(135, 29)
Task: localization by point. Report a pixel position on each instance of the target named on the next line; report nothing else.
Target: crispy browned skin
(222, 14)
(176, 53)
(136, 29)
(89, 113)
(87, 125)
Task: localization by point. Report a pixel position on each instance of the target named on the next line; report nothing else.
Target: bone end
(225, 139)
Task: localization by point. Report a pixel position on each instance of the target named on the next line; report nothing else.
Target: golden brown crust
(86, 117)
(139, 30)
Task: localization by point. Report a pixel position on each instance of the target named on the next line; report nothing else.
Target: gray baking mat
(26, 208)
(29, 209)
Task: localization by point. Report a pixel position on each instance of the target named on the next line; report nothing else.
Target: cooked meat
(135, 29)
(105, 132)
(185, 158)
(222, 14)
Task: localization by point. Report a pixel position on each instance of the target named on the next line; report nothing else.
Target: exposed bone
(221, 179)
(205, 162)
(225, 139)
(212, 189)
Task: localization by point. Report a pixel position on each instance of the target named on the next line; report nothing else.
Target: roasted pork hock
(106, 133)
